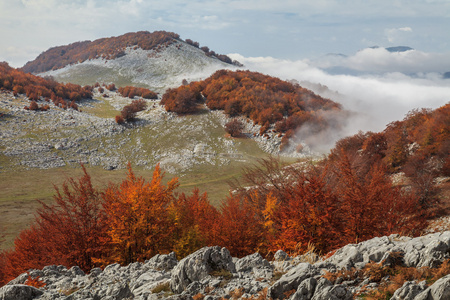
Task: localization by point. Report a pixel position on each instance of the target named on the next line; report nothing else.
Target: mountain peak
(109, 49)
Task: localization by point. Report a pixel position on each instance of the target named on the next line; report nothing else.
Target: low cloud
(380, 61)
(395, 35)
(373, 100)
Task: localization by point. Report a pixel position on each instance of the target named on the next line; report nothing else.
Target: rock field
(211, 273)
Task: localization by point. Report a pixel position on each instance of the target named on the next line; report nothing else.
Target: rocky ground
(55, 138)
(155, 69)
(211, 273)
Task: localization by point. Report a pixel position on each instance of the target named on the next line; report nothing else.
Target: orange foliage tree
(241, 231)
(195, 221)
(138, 220)
(309, 214)
(37, 88)
(131, 92)
(66, 233)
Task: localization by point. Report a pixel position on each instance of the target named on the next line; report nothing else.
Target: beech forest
(37, 88)
(263, 99)
(348, 197)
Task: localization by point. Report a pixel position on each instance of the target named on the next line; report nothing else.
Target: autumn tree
(67, 232)
(195, 221)
(75, 222)
(129, 112)
(132, 91)
(241, 231)
(370, 204)
(137, 215)
(234, 127)
(309, 215)
(182, 100)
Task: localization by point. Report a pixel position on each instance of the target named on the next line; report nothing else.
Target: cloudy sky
(287, 29)
(317, 42)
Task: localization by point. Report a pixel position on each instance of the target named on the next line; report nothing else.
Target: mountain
(155, 60)
(399, 49)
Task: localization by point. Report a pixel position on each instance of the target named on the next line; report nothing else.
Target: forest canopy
(38, 88)
(264, 99)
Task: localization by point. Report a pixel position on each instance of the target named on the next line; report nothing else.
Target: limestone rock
(199, 265)
(19, 292)
(409, 290)
(164, 262)
(291, 280)
(440, 290)
(335, 292)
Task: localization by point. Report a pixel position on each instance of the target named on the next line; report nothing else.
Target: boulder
(335, 292)
(409, 290)
(164, 262)
(440, 290)
(256, 265)
(305, 290)
(291, 280)
(199, 265)
(19, 292)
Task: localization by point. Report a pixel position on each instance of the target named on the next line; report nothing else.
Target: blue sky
(286, 29)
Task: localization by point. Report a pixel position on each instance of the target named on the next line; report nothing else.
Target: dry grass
(237, 293)
(262, 295)
(164, 287)
(398, 275)
(310, 255)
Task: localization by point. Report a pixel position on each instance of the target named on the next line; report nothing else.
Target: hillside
(284, 108)
(156, 60)
(36, 88)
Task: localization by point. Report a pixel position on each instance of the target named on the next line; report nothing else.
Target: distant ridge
(395, 48)
(399, 49)
(108, 48)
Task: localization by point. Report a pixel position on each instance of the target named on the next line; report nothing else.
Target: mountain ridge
(108, 48)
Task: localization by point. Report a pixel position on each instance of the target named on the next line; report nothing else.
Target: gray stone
(280, 255)
(164, 262)
(335, 292)
(255, 265)
(409, 290)
(305, 290)
(199, 265)
(440, 290)
(291, 280)
(75, 270)
(19, 292)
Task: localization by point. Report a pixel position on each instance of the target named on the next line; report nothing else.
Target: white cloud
(376, 100)
(397, 35)
(379, 60)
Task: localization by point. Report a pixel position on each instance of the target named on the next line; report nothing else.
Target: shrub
(119, 119)
(33, 106)
(234, 127)
(128, 113)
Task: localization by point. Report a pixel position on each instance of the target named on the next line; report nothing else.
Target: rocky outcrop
(200, 265)
(212, 273)
(19, 292)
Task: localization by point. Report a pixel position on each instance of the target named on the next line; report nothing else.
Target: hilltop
(156, 60)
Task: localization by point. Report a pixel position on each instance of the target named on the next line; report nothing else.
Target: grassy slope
(20, 188)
